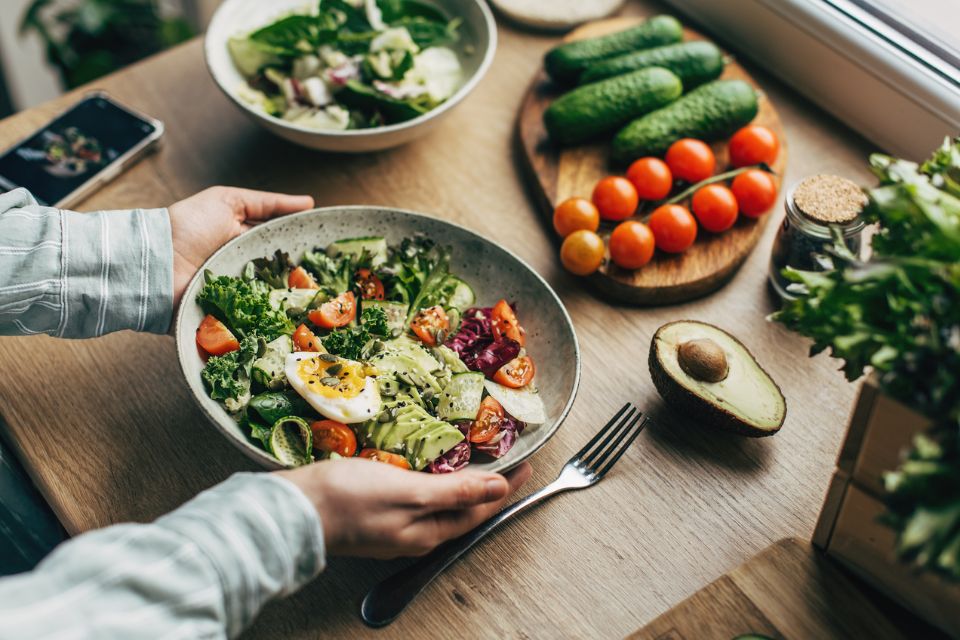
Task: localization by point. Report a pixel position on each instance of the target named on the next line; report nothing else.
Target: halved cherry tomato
(615, 197)
(752, 145)
(214, 337)
(505, 323)
(574, 214)
(715, 207)
(651, 177)
(338, 312)
(631, 244)
(300, 279)
(332, 436)
(488, 421)
(691, 160)
(756, 191)
(305, 340)
(371, 287)
(516, 373)
(582, 252)
(385, 456)
(429, 323)
(674, 228)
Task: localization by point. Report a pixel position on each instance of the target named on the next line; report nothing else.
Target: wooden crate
(849, 529)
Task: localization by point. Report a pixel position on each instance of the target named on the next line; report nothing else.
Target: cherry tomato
(582, 252)
(673, 227)
(715, 207)
(371, 287)
(631, 244)
(488, 421)
(756, 191)
(300, 279)
(752, 145)
(338, 312)
(651, 177)
(332, 436)
(214, 337)
(574, 214)
(505, 323)
(691, 160)
(428, 325)
(305, 340)
(516, 373)
(385, 456)
(615, 197)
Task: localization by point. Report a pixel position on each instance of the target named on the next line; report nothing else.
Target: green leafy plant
(899, 315)
(87, 39)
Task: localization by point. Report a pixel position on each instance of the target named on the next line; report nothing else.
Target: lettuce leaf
(227, 377)
(244, 306)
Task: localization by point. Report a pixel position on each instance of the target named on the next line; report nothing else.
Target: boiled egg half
(339, 389)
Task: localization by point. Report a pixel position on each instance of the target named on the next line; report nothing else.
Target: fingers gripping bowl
(492, 272)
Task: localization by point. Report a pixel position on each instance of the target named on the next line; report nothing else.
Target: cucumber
(462, 296)
(267, 370)
(291, 441)
(595, 109)
(710, 112)
(694, 62)
(292, 298)
(565, 62)
(396, 314)
(460, 399)
(375, 246)
(524, 404)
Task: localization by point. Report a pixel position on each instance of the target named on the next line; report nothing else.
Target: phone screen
(76, 146)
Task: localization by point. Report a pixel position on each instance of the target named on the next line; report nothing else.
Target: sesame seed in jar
(829, 199)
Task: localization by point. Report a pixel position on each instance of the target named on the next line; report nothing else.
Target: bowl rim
(447, 104)
(269, 461)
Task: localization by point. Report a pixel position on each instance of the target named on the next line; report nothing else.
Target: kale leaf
(244, 306)
(353, 343)
(228, 376)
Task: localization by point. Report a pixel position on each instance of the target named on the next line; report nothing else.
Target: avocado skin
(694, 62)
(709, 112)
(595, 109)
(565, 62)
(696, 407)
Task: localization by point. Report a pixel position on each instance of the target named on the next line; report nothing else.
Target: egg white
(360, 408)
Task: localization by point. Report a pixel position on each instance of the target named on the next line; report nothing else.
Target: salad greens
(244, 305)
(350, 64)
(899, 314)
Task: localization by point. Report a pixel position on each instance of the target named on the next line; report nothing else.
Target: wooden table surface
(108, 431)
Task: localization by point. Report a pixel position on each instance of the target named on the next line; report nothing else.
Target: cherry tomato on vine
(331, 436)
(615, 198)
(574, 214)
(673, 227)
(582, 252)
(715, 207)
(756, 192)
(691, 160)
(753, 144)
(631, 244)
(651, 177)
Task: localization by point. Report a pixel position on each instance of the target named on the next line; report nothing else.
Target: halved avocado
(708, 374)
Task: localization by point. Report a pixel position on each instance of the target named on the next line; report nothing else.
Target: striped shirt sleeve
(202, 571)
(80, 275)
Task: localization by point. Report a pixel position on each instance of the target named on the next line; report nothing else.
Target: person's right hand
(375, 510)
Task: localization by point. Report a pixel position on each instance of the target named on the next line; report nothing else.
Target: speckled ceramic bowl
(492, 271)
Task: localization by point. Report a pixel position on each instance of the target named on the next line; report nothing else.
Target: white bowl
(478, 34)
(491, 270)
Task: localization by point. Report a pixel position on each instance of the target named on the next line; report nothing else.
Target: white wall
(29, 79)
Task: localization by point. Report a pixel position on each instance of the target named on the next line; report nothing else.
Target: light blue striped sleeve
(202, 571)
(80, 275)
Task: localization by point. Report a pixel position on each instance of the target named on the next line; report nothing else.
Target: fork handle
(390, 597)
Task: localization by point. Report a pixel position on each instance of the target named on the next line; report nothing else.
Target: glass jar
(805, 232)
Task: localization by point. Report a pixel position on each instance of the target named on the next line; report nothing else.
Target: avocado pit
(703, 359)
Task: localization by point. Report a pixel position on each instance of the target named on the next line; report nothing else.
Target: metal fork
(586, 468)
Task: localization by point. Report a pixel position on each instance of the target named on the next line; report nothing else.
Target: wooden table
(108, 431)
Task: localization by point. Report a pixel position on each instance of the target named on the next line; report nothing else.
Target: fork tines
(615, 437)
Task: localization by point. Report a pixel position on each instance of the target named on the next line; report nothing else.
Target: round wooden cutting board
(573, 171)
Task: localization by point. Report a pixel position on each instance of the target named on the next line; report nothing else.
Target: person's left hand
(202, 223)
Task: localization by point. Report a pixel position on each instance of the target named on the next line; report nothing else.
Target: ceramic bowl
(476, 47)
(491, 270)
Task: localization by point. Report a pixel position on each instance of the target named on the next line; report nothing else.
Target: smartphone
(79, 151)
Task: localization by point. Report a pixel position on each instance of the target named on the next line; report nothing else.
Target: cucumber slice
(396, 314)
(524, 404)
(460, 400)
(289, 298)
(462, 296)
(291, 441)
(375, 246)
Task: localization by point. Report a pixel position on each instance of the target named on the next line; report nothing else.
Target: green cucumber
(710, 112)
(565, 62)
(374, 246)
(396, 314)
(291, 441)
(462, 296)
(694, 62)
(460, 399)
(601, 107)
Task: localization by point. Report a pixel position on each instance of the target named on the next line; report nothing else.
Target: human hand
(376, 510)
(202, 223)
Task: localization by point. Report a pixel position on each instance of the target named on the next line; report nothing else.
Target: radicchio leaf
(453, 460)
(510, 430)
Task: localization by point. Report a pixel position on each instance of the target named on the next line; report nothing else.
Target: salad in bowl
(366, 348)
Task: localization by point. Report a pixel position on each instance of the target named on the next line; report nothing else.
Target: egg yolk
(332, 379)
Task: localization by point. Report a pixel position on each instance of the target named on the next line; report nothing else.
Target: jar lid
(828, 199)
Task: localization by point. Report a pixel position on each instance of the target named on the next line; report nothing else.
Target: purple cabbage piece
(493, 356)
(475, 345)
(453, 460)
(510, 430)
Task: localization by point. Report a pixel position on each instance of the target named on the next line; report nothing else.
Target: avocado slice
(430, 443)
(711, 376)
